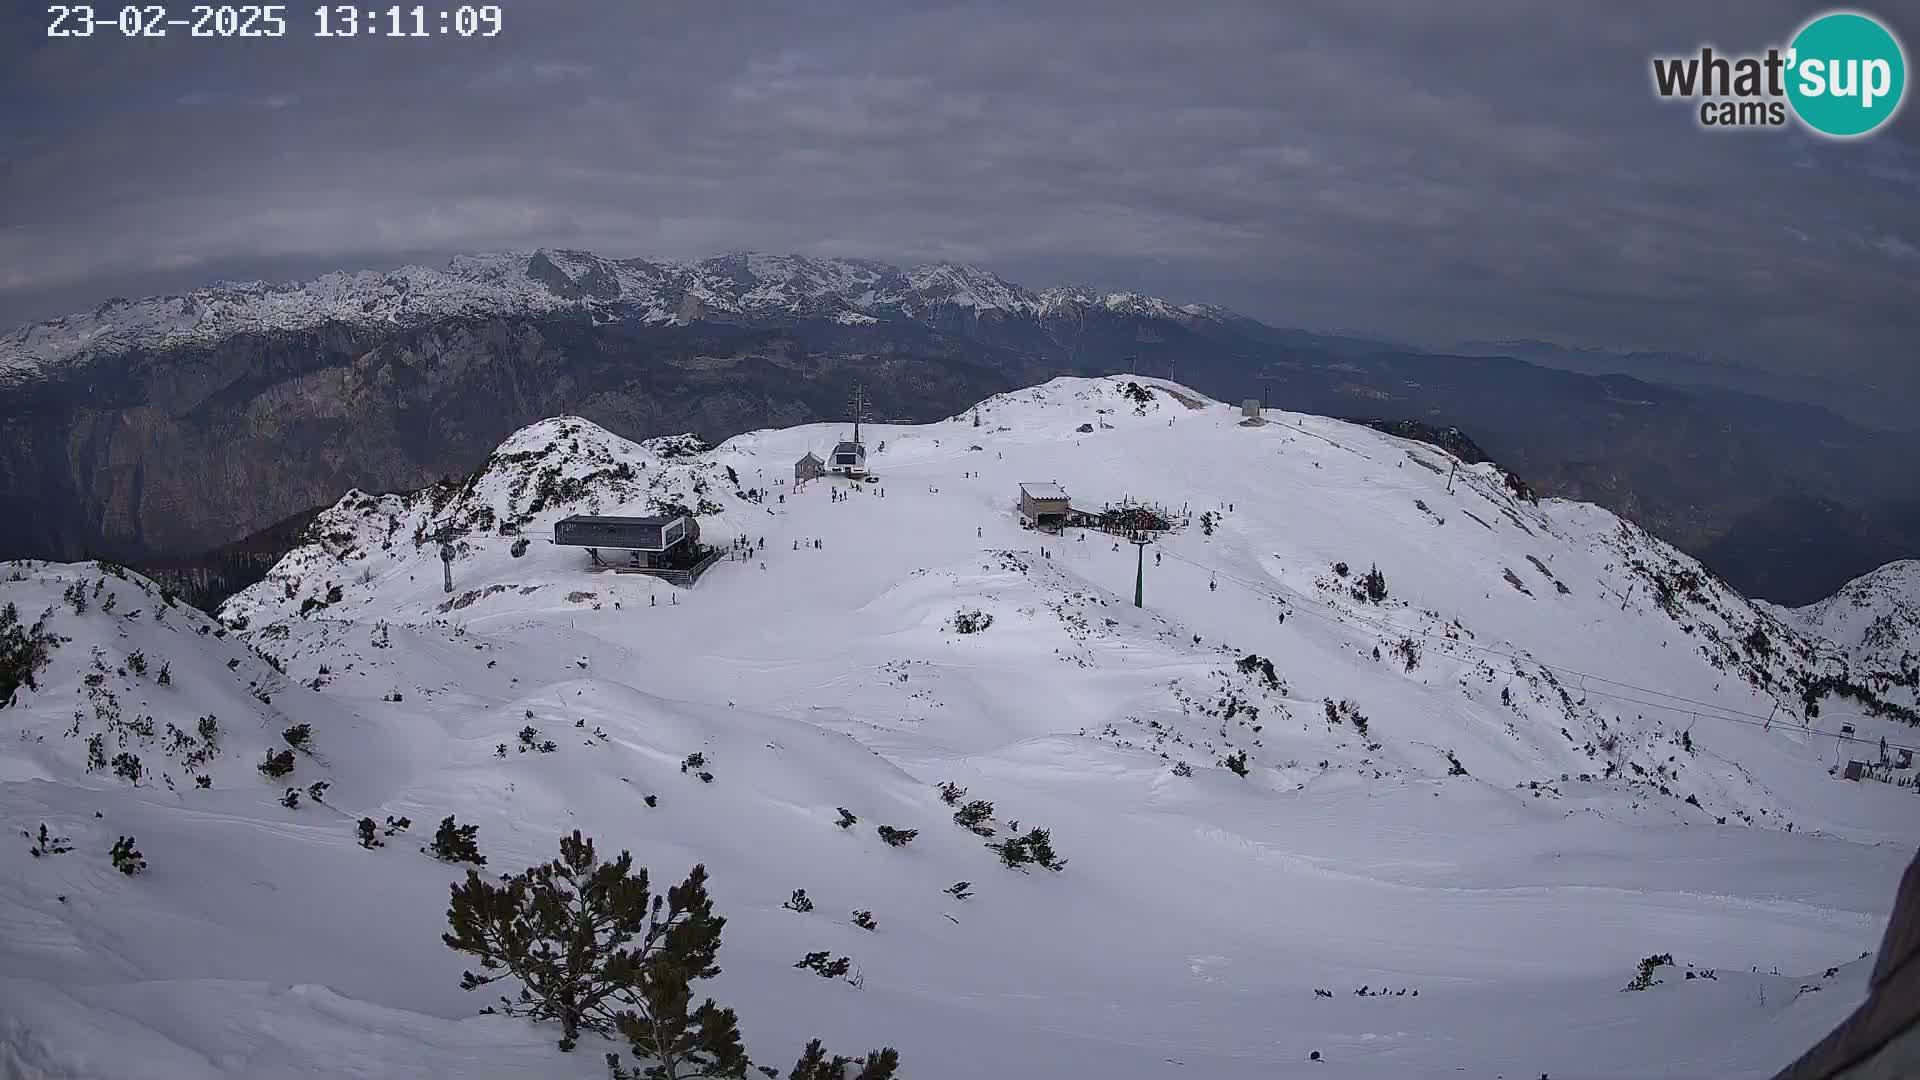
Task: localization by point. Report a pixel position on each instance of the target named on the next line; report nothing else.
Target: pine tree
(973, 817)
(864, 920)
(593, 948)
(799, 901)
(814, 1064)
(368, 839)
(951, 793)
(298, 736)
(1375, 585)
(277, 765)
(456, 843)
(567, 930)
(897, 837)
(1036, 846)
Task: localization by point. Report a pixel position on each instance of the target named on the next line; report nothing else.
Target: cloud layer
(1485, 168)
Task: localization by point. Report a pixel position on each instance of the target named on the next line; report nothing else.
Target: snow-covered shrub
(277, 765)
(973, 817)
(48, 844)
(799, 901)
(456, 843)
(127, 858)
(820, 964)
(1016, 852)
(24, 650)
(1252, 664)
(368, 833)
(298, 736)
(847, 820)
(951, 793)
(1644, 980)
(1236, 762)
(864, 920)
(971, 621)
(897, 837)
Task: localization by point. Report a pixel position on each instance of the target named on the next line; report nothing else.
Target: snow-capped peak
(1873, 619)
(514, 284)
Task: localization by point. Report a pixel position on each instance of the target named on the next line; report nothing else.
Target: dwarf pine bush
(127, 858)
(595, 949)
(454, 843)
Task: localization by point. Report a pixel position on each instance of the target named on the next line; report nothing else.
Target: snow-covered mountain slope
(1871, 631)
(546, 281)
(1874, 620)
(1553, 747)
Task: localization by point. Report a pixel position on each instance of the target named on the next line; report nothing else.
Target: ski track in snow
(1196, 914)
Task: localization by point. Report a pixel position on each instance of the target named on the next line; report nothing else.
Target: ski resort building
(1250, 407)
(809, 467)
(849, 459)
(664, 546)
(1044, 506)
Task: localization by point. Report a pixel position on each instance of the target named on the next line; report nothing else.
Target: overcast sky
(1424, 170)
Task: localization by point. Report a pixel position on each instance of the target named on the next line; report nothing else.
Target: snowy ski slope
(1579, 750)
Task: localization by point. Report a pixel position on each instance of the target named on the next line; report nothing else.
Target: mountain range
(1372, 763)
(156, 430)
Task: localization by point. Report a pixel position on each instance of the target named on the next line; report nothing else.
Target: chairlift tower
(1139, 538)
(857, 409)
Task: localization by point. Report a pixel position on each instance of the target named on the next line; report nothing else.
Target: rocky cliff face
(169, 426)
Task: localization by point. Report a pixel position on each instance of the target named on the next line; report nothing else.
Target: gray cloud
(1483, 168)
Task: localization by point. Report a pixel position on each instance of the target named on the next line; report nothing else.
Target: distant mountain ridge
(1882, 403)
(544, 282)
(154, 430)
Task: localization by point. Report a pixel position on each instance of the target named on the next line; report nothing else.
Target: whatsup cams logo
(1842, 75)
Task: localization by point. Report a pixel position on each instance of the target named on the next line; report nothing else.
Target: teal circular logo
(1846, 74)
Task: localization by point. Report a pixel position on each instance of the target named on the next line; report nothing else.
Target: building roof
(654, 520)
(851, 447)
(808, 456)
(1044, 491)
